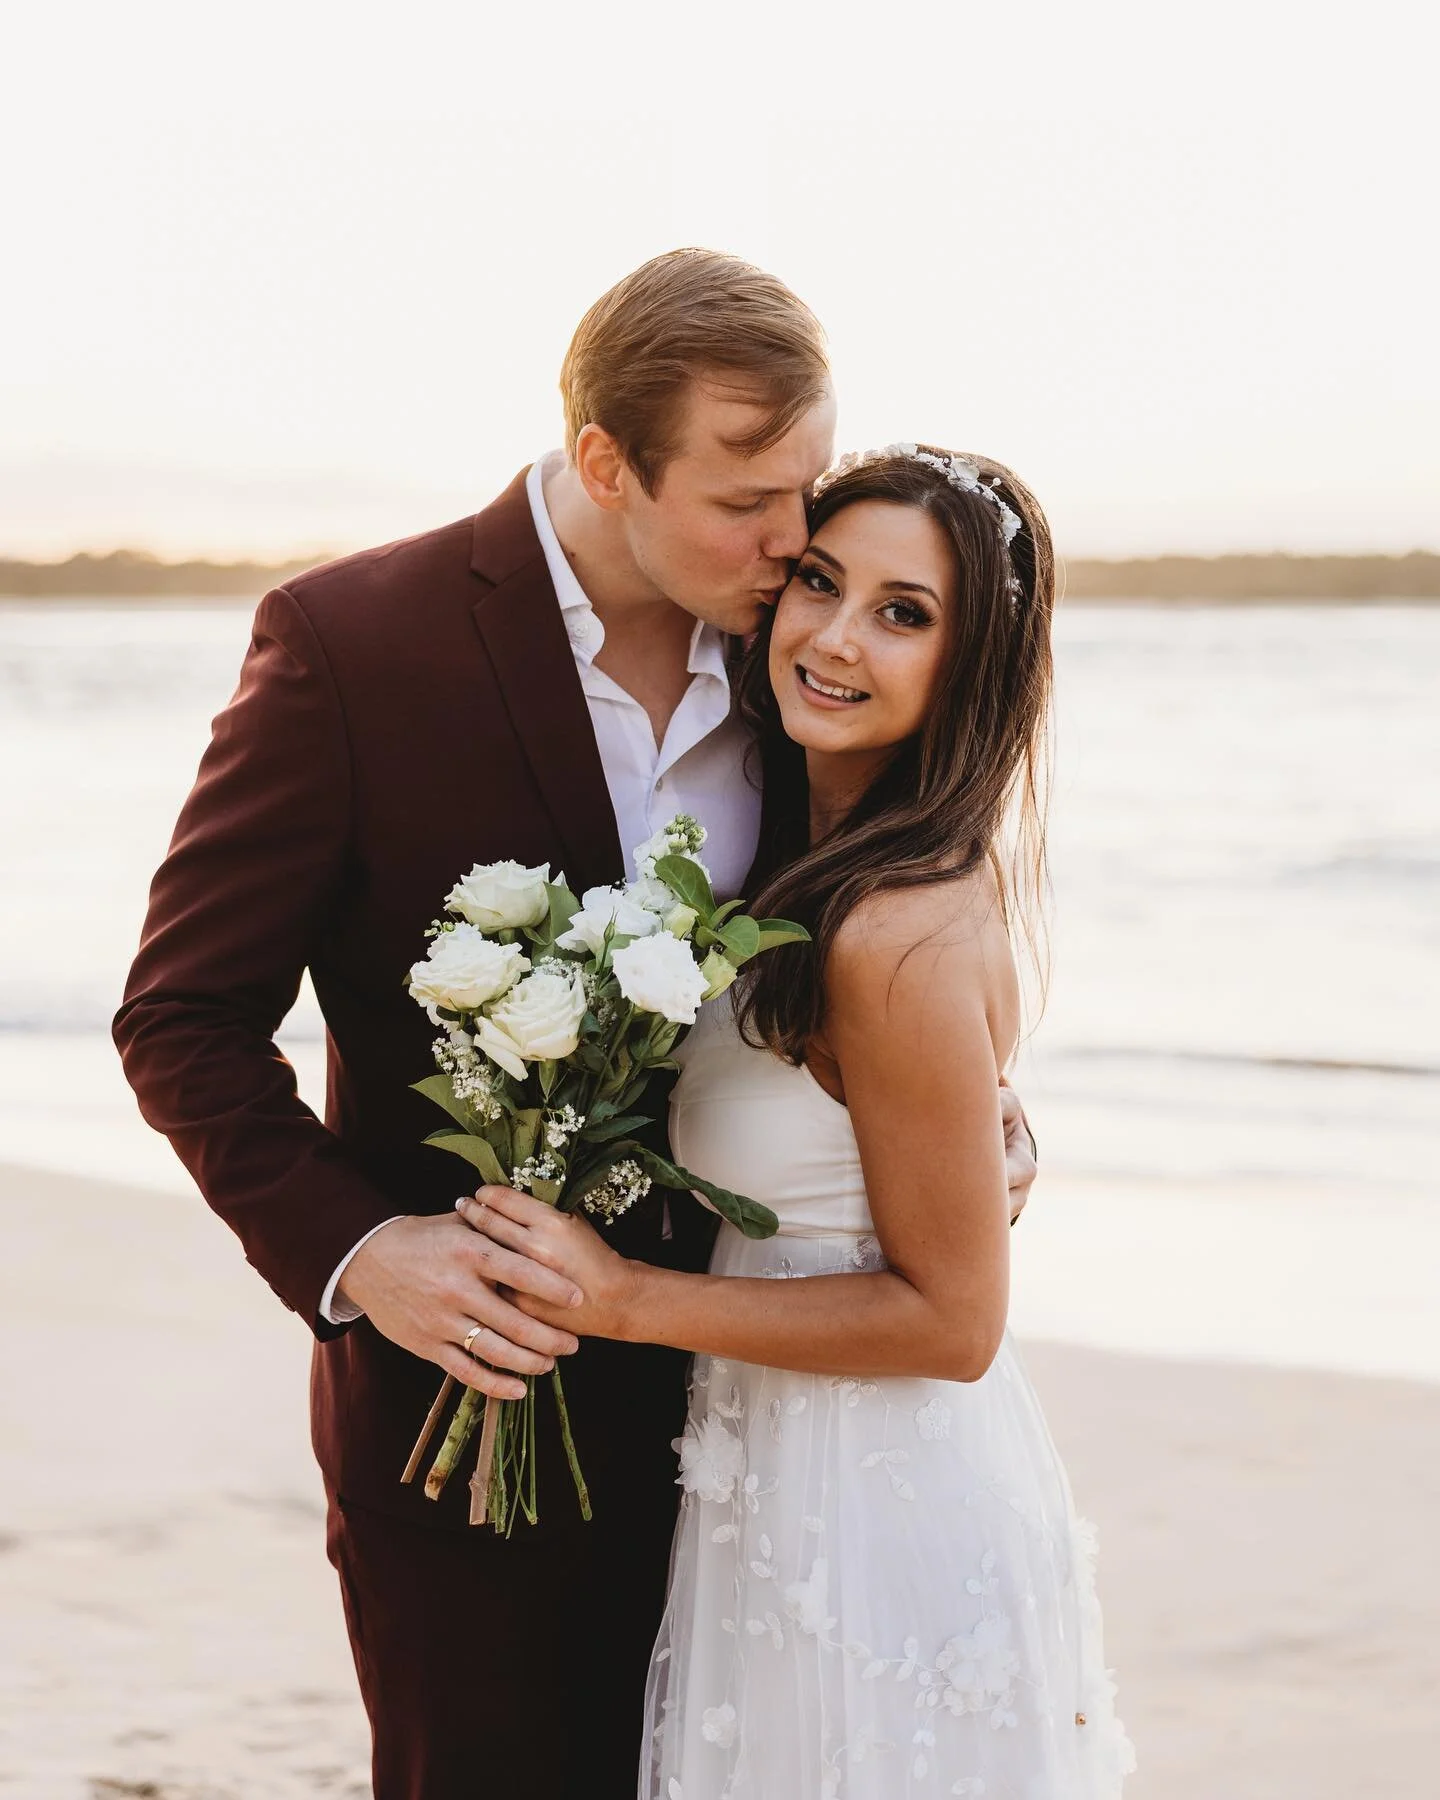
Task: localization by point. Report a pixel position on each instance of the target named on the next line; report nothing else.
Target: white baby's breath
(625, 1182)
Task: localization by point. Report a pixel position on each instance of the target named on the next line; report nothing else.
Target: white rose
(658, 974)
(501, 896)
(603, 909)
(465, 969)
(537, 1021)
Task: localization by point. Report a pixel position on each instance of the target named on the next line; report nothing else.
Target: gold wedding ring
(470, 1337)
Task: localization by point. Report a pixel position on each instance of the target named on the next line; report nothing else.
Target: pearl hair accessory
(959, 471)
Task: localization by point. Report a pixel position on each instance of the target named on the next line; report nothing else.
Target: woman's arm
(914, 1019)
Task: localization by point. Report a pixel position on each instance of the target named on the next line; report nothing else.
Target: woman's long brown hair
(942, 804)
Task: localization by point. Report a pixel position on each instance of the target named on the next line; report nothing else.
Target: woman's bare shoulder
(943, 944)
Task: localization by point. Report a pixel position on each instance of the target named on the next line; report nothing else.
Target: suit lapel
(520, 624)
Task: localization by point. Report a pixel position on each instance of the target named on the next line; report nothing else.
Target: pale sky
(284, 278)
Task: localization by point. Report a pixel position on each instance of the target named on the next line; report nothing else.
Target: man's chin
(749, 612)
(738, 616)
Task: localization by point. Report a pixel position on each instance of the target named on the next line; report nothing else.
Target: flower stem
(580, 1488)
(427, 1430)
(467, 1416)
(480, 1480)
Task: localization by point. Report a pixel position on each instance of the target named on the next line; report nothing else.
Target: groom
(546, 681)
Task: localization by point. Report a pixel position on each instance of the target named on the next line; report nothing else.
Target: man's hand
(1020, 1165)
(425, 1282)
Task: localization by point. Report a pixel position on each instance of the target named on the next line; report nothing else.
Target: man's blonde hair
(681, 317)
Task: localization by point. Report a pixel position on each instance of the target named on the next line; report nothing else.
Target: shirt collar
(582, 622)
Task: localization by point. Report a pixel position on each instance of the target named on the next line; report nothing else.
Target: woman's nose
(834, 638)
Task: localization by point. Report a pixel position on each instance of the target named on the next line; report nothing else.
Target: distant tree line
(1275, 577)
(134, 575)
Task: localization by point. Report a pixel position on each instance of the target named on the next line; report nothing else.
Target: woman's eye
(905, 612)
(815, 579)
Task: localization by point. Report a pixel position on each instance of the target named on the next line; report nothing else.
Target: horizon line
(1237, 577)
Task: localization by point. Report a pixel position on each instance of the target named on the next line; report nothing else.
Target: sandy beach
(169, 1625)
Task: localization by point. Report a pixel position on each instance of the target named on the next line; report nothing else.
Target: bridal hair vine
(960, 471)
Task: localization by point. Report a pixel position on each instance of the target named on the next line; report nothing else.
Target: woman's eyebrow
(824, 556)
(909, 587)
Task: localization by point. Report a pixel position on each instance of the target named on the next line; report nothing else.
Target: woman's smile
(825, 693)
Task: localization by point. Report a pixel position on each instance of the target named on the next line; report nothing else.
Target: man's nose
(787, 531)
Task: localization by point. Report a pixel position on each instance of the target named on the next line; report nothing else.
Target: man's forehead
(717, 421)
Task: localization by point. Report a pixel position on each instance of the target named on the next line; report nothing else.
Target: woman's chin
(816, 730)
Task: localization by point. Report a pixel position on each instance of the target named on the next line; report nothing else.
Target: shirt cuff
(333, 1310)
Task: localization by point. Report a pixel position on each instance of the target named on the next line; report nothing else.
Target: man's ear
(600, 464)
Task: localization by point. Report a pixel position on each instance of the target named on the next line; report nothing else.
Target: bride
(879, 1587)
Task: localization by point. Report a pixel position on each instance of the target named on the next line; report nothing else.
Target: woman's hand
(569, 1245)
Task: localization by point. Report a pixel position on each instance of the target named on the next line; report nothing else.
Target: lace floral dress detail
(879, 1588)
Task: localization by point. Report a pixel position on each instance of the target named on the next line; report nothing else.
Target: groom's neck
(597, 550)
(647, 636)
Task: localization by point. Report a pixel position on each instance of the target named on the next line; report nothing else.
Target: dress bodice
(747, 1120)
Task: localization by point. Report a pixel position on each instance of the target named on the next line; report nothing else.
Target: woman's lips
(806, 682)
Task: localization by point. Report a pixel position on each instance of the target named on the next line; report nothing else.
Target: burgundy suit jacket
(400, 715)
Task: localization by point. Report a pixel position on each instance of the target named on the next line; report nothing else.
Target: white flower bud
(718, 972)
(680, 921)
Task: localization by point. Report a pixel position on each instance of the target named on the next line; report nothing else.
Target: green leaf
(746, 1215)
(438, 1088)
(723, 912)
(688, 882)
(563, 908)
(550, 1073)
(475, 1150)
(609, 1128)
(659, 1041)
(527, 1133)
(741, 938)
(548, 1191)
(780, 931)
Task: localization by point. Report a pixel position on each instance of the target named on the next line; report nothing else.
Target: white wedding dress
(879, 1588)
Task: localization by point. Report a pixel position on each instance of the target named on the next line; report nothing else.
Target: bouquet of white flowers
(554, 1014)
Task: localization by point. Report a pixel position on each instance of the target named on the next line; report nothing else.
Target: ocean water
(1245, 987)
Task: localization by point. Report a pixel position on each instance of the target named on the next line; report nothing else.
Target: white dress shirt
(699, 768)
